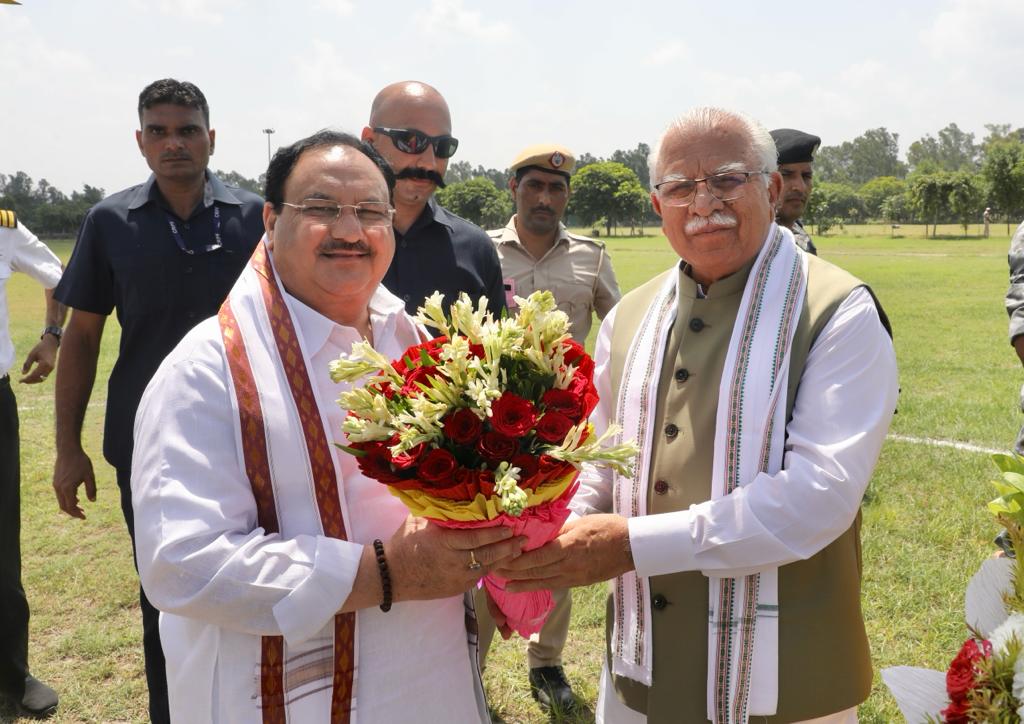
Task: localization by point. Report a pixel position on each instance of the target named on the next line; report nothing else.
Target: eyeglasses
(681, 191)
(370, 214)
(409, 140)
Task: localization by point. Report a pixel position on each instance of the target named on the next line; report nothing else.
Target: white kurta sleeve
(200, 551)
(596, 483)
(845, 402)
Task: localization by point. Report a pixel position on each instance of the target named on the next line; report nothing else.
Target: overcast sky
(593, 75)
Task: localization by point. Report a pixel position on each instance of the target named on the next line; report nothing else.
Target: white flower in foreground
(359, 362)
(360, 430)
(431, 314)
(1012, 627)
(506, 484)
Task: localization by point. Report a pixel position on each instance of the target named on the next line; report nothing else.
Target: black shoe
(39, 701)
(550, 687)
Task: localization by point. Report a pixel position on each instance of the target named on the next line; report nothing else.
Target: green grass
(925, 530)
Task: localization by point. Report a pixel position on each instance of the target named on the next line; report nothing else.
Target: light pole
(268, 131)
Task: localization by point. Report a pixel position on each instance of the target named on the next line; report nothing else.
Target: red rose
(564, 402)
(573, 351)
(438, 466)
(477, 350)
(549, 468)
(408, 458)
(962, 677)
(528, 469)
(417, 376)
(495, 447)
(414, 356)
(512, 415)
(583, 388)
(376, 462)
(553, 426)
(462, 426)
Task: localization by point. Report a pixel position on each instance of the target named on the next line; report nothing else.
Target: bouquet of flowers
(985, 681)
(485, 425)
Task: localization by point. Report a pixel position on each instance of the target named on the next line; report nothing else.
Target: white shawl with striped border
(749, 438)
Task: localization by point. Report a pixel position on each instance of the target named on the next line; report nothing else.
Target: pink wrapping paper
(527, 611)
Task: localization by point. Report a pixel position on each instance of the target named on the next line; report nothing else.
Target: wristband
(54, 330)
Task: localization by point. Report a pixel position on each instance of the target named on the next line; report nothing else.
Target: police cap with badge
(548, 157)
(795, 146)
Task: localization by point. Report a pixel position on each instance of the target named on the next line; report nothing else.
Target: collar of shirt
(214, 190)
(727, 286)
(433, 213)
(317, 329)
(509, 235)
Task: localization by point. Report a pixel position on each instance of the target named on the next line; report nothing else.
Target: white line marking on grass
(944, 443)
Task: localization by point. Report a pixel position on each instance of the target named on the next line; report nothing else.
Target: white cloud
(342, 8)
(976, 33)
(448, 18)
(200, 11)
(665, 54)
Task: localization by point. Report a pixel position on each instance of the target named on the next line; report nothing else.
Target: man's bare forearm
(76, 373)
(56, 312)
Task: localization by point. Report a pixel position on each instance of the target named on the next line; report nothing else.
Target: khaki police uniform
(577, 270)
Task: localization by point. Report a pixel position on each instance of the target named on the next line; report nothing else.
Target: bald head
(408, 98)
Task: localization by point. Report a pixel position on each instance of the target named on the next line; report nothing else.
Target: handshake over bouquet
(485, 425)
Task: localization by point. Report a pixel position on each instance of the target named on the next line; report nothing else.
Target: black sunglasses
(409, 140)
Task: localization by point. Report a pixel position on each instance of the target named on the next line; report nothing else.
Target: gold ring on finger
(474, 564)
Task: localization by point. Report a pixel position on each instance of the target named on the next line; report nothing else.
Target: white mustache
(717, 218)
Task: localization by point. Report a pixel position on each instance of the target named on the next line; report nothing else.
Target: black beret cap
(795, 146)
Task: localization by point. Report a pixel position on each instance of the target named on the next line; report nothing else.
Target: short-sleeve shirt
(128, 260)
(1015, 293)
(445, 253)
(577, 270)
(21, 251)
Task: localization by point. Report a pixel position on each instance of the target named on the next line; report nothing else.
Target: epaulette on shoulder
(580, 237)
(8, 219)
(495, 233)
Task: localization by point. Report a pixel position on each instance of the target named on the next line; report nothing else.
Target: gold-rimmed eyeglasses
(370, 214)
(681, 191)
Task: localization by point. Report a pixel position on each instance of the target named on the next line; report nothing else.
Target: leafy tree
(610, 192)
(833, 203)
(236, 179)
(953, 150)
(966, 197)
(1003, 170)
(478, 200)
(875, 192)
(929, 194)
(464, 171)
(585, 159)
(874, 153)
(43, 207)
(895, 209)
(636, 161)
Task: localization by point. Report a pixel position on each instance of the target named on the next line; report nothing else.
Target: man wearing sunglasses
(411, 127)
(163, 254)
(760, 382)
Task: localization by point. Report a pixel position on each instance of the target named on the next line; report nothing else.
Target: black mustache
(176, 157)
(335, 245)
(421, 173)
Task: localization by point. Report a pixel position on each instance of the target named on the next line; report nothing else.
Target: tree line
(946, 178)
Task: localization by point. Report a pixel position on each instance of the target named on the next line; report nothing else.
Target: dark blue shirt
(445, 253)
(126, 259)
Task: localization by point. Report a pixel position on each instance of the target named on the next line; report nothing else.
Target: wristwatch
(54, 330)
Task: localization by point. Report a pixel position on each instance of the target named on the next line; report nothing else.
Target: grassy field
(925, 528)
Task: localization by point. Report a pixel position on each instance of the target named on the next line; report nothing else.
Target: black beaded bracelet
(385, 574)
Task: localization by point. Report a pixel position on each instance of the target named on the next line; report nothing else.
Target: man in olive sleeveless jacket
(793, 523)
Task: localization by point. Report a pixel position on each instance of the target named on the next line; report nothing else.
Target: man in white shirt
(759, 382)
(266, 549)
(20, 251)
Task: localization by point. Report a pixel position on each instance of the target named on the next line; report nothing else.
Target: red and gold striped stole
(257, 468)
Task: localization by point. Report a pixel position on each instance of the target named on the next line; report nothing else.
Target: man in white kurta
(222, 582)
(759, 382)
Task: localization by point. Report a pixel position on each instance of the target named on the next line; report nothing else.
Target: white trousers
(612, 711)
